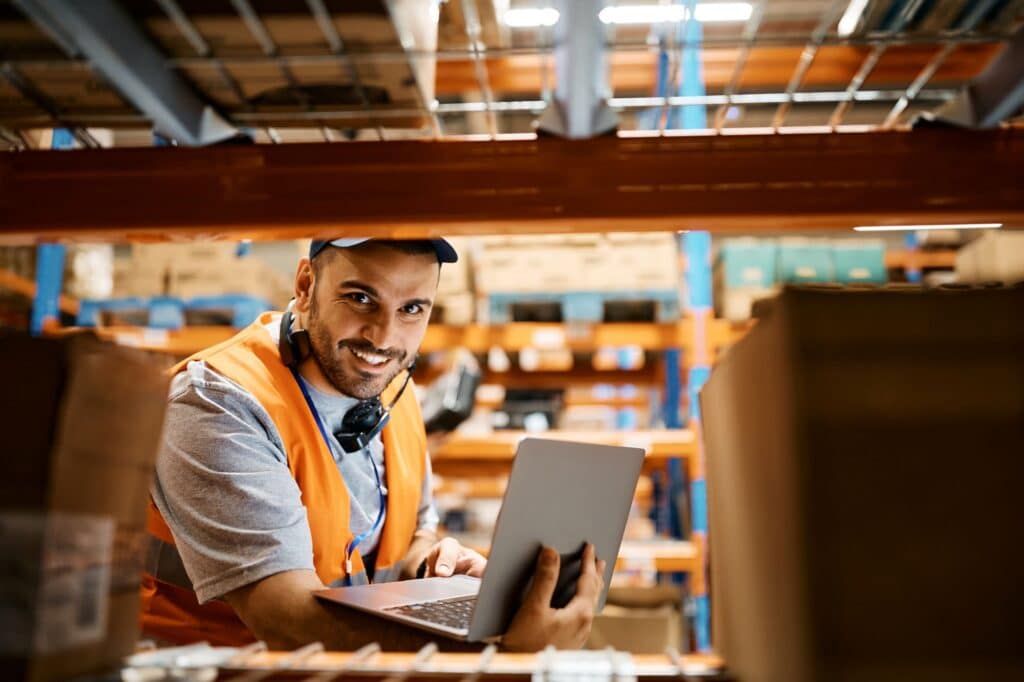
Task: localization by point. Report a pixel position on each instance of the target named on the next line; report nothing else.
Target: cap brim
(446, 253)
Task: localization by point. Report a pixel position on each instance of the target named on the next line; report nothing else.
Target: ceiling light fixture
(530, 17)
(706, 12)
(955, 226)
(848, 23)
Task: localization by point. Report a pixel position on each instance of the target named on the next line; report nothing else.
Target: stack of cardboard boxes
(578, 262)
(864, 476)
(82, 420)
(456, 301)
(194, 269)
(580, 272)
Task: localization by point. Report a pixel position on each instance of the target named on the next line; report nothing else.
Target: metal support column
(697, 247)
(912, 266)
(691, 84)
(50, 263)
(697, 250)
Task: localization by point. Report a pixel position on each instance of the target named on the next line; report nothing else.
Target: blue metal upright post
(697, 247)
(697, 250)
(912, 265)
(50, 263)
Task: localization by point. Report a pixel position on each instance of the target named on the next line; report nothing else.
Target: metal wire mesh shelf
(326, 70)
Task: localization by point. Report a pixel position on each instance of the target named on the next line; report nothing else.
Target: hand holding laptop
(566, 504)
(537, 624)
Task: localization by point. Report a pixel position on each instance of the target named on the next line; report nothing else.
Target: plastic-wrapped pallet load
(864, 476)
(82, 421)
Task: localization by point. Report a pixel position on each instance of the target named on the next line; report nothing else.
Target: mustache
(366, 347)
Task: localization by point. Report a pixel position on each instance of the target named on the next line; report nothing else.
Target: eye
(412, 309)
(358, 298)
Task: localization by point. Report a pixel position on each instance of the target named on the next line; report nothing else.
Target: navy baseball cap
(445, 251)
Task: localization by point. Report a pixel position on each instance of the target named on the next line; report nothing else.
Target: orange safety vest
(170, 611)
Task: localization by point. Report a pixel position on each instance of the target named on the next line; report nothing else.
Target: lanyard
(356, 541)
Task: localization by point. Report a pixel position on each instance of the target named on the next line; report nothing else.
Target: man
(249, 515)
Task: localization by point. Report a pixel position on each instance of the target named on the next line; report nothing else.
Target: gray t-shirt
(224, 488)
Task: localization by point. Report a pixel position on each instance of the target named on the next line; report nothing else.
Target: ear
(305, 284)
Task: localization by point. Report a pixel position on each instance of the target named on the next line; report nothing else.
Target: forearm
(421, 545)
(282, 611)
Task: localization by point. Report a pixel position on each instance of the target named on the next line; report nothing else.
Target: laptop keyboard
(452, 613)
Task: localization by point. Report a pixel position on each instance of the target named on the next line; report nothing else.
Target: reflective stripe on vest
(251, 360)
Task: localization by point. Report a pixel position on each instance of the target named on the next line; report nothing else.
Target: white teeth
(371, 358)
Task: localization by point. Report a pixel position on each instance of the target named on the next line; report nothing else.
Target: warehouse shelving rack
(778, 176)
(311, 663)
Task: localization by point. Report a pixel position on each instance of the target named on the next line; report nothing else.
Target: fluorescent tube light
(714, 12)
(851, 16)
(706, 12)
(530, 17)
(897, 228)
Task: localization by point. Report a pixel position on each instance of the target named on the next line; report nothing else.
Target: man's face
(368, 313)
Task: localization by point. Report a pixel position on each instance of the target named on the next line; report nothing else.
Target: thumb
(447, 557)
(545, 578)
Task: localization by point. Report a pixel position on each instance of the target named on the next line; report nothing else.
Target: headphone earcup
(362, 417)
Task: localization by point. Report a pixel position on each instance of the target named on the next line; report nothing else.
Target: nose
(381, 330)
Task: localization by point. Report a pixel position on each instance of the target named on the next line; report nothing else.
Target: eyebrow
(356, 284)
(366, 288)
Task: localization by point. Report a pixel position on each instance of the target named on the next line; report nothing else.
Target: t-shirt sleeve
(224, 488)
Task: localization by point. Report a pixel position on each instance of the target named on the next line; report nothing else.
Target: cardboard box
(859, 261)
(133, 280)
(513, 269)
(456, 309)
(738, 304)
(744, 272)
(457, 277)
(646, 261)
(197, 254)
(993, 257)
(82, 421)
(802, 261)
(746, 263)
(578, 262)
(640, 620)
(864, 478)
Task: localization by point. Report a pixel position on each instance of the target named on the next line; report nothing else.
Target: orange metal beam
(767, 69)
(27, 288)
(409, 189)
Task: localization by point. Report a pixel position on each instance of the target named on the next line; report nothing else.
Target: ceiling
(333, 70)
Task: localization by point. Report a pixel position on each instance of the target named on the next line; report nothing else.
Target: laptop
(560, 494)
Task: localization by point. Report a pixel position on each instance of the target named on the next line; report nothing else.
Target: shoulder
(205, 405)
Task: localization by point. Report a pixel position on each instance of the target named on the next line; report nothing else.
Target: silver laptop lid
(560, 494)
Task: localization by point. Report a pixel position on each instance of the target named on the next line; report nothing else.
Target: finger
(471, 563)
(589, 584)
(544, 579)
(430, 560)
(447, 557)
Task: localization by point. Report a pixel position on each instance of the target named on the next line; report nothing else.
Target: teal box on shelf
(805, 260)
(859, 261)
(747, 262)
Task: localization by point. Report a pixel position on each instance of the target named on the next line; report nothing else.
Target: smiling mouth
(370, 358)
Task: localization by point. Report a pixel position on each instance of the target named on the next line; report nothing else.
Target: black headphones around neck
(366, 419)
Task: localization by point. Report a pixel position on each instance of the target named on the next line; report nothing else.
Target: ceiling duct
(580, 108)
